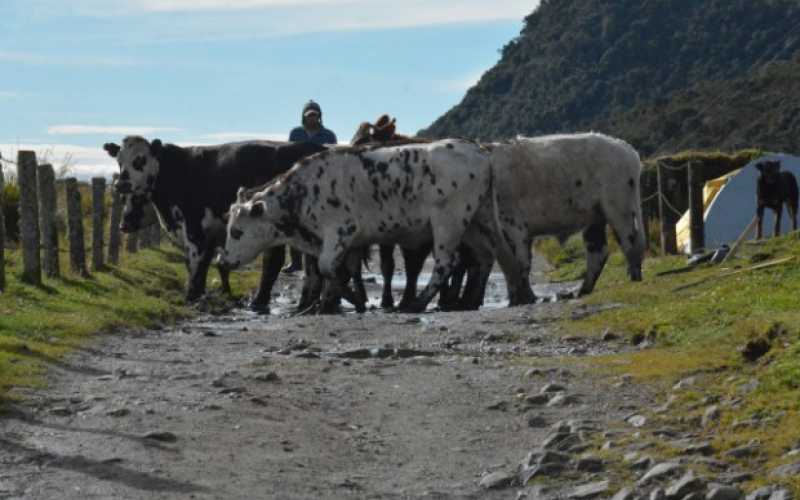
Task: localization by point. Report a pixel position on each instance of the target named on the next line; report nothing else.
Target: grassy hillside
(702, 331)
(663, 74)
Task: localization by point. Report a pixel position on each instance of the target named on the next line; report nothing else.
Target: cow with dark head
(191, 189)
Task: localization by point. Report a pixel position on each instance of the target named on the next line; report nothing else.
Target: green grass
(700, 330)
(38, 325)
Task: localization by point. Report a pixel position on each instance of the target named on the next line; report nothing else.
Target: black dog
(774, 189)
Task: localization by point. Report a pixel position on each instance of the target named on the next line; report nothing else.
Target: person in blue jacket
(311, 130)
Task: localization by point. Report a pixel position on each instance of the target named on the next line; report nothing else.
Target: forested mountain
(662, 74)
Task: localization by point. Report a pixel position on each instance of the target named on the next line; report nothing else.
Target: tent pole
(696, 209)
(669, 242)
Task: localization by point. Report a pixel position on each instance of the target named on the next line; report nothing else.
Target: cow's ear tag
(240, 195)
(258, 209)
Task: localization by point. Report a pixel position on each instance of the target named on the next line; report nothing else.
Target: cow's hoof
(259, 307)
(387, 304)
(414, 308)
(329, 309)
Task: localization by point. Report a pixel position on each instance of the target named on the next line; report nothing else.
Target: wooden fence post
(29, 217)
(646, 229)
(696, 224)
(98, 221)
(669, 243)
(77, 251)
(2, 232)
(47, 215)
(133, 242)
(115, 236)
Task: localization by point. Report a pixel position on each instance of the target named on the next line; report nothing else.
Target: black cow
(192, 189)
(775, 188)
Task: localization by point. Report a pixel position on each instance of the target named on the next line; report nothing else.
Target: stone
(697, 495)
(703, 448)
(536, 421)
(661, 471)
(590, 490)
(560, 399)
(497, 481)
(684, 486)
(608, 336)
(267, 377)
(725, 493)
(658, 494)
(534, 372)
(685, 383)
(561, 442)
(590, 463)
(711, 415)
(748, 450)
(762, 493)
(781, 494)
(540, 457)
(553, 388)
(119, 412)
(162, 436)
(637, 420)
(749, 386)
(538, 400)
(788, 470)
(736, 478)
(527, 473)
(624, 494)
(60, 411)
(667, 404)
(499, 406)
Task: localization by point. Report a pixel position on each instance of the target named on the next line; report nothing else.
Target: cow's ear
(760, 166)
(156, 146)
(258, 209)
(112, 149)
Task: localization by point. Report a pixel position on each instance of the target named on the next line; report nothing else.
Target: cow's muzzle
(223, 262)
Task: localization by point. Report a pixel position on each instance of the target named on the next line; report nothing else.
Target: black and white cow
(561, 184)
(192, 188)
(413, 195)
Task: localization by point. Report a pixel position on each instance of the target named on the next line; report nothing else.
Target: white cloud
(83, 162)
(236, 19)
(191, 5)
(67, 60)
(107, 130)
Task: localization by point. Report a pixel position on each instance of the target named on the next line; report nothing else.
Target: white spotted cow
(413, 195)
(561, 184)
(191, 188)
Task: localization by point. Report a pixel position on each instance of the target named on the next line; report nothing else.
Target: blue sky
(77, 73)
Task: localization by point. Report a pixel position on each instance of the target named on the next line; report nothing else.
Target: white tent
(730, 205)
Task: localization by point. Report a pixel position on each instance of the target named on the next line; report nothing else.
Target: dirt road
(352, 406)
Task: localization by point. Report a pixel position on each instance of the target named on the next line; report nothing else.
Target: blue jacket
(323, 136)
